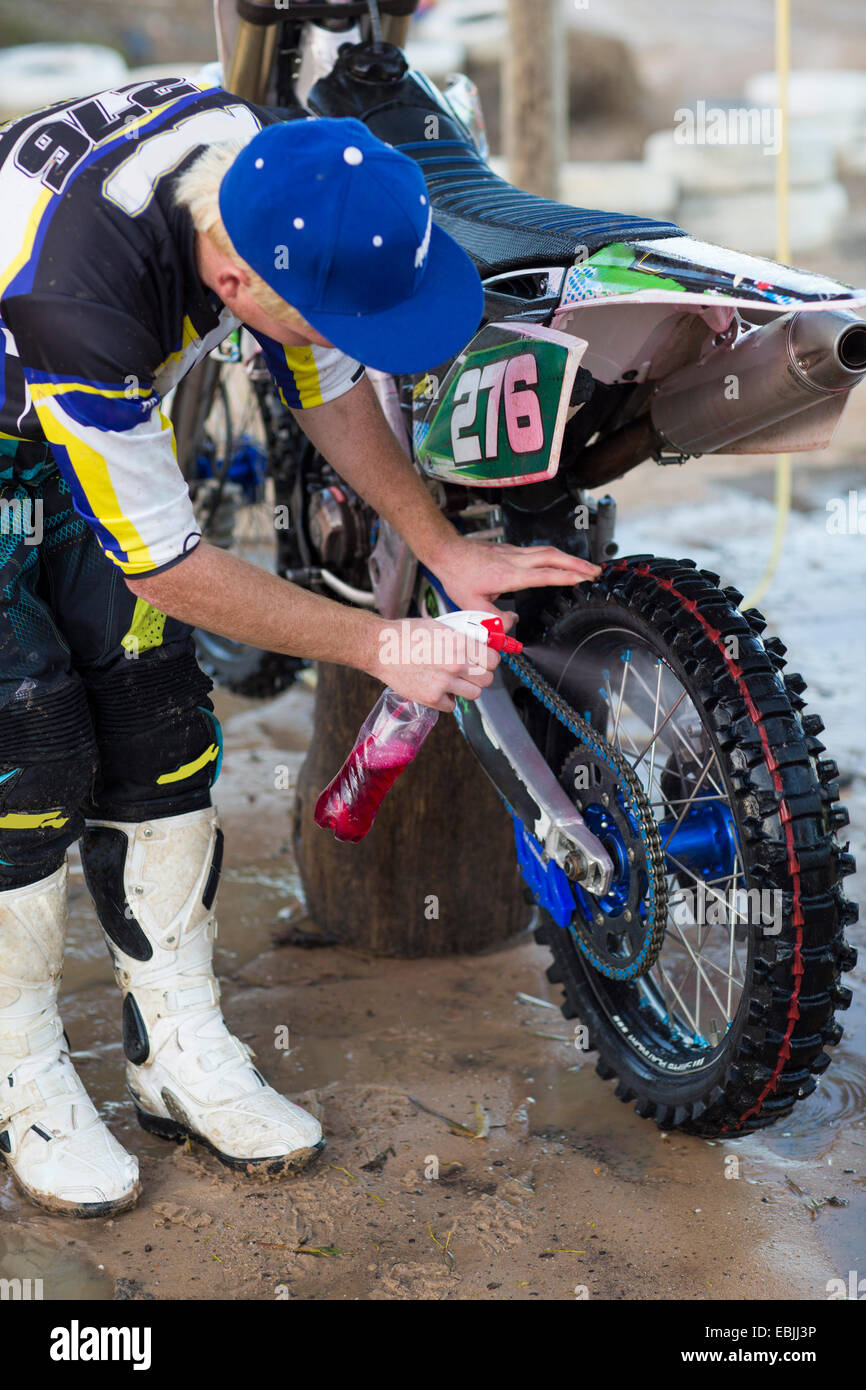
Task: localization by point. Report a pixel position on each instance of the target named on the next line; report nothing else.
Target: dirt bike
(675, 819)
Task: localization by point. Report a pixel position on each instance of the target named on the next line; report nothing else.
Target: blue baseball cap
(340, 225)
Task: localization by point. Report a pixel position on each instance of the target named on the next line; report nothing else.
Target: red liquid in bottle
(349, 803)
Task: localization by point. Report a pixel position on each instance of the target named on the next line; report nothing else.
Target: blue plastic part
(546, 881)
(248, 468)
(218, 735)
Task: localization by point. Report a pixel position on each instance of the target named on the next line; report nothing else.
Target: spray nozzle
(484, 628)
(499, 639)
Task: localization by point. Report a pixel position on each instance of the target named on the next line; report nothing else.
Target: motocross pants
(104, 712)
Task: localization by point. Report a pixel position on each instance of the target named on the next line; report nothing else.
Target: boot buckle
(232, 1049)
(35, 1093)
(32, 1040)
(179, 1000)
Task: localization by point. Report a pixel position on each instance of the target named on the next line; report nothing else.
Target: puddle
(33, 1266)
(574, 1108)
(822, 1145)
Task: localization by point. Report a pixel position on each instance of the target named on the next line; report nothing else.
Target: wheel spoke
(625, 670)
(675, 992)
(690, 800)
(732, 979)
(614, 736)
(657, 728)
(707, 981)
(674, 726)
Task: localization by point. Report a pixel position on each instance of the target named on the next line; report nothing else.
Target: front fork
(247, 51)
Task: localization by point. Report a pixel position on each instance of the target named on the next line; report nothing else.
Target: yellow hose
(783, 254)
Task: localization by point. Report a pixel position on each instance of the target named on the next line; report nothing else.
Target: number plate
(497, 418)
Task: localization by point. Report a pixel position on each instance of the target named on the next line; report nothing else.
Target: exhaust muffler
(766, 375)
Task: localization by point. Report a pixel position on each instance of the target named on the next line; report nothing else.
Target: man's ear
(231, 280)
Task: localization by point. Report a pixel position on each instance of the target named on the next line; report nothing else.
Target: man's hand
(429, 662)
(475, 573)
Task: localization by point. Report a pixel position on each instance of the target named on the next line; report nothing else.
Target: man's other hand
(475, 573)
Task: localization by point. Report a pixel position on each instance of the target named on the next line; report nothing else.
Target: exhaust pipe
(765, 376)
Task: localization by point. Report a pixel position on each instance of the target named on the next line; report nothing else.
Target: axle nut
(574, 866)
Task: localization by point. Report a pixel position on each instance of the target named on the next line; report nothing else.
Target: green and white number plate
(498, 416)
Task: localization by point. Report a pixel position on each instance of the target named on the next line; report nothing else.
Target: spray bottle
(390, 739)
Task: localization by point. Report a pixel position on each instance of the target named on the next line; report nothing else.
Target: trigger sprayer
(390, 739)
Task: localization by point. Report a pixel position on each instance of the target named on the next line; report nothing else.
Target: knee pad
(48, 761)
(160, 743)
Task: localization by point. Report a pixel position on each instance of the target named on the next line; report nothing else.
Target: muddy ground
(568, 1191)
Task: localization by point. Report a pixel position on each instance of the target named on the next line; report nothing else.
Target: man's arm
(215, 590)
(115, 449)
(352, 433)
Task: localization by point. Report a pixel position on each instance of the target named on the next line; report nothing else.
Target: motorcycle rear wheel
(728, 1029)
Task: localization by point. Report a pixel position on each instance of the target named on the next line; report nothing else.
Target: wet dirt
(565, 1194)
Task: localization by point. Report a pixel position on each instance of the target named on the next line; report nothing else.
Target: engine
(340, 528)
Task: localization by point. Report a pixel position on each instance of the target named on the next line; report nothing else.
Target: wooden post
(437, 873)
(534, 95)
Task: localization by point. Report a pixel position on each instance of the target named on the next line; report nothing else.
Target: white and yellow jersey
(102, 310)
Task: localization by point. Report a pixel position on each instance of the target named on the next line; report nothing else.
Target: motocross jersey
(102, 310)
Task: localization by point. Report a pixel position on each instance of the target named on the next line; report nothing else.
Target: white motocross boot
(51, 1137)
(154, 884)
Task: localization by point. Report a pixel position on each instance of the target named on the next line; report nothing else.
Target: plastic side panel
(696, 272)
(497, 418)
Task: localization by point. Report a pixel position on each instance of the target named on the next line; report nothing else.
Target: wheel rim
(676, 1017)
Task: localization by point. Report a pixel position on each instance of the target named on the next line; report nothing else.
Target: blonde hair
(198, 191)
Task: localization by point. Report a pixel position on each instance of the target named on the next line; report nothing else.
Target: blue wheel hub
(705, 843)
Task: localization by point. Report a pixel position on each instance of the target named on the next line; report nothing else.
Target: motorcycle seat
(503, 228)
